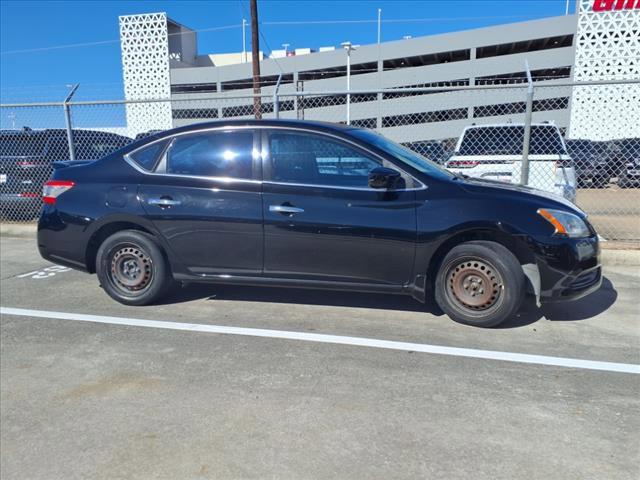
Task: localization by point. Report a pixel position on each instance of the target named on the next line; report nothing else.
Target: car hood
(471, 183)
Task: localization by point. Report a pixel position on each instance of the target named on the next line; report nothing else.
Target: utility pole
(255, 59)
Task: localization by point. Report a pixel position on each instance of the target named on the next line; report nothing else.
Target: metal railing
(514, 138)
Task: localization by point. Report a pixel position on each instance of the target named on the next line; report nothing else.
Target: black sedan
(591, 162)
(314, 205)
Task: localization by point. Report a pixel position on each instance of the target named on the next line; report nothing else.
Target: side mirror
(384, 178)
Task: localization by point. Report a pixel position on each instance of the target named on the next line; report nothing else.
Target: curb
(611, 254)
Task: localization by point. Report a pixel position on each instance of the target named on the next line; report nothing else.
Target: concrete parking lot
(113, 396)
(614, 211)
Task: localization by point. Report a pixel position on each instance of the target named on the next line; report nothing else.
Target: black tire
(132, 269)
(480, 283)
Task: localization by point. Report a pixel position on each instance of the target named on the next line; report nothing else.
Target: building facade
(201, 88)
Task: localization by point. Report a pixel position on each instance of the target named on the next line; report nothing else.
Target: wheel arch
(103, 232)
(516, 244)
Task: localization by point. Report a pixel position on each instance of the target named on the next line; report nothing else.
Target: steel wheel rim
(474, 284)
(131, 269)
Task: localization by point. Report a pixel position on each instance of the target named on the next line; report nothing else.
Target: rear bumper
(61, 239)
(569, 268)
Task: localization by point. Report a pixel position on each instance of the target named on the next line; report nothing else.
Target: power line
(278, 23)
(398, 20)
(106, 42)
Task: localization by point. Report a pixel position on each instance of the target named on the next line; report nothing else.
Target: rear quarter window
(147, 157)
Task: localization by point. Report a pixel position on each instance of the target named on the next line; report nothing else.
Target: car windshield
(401, 153)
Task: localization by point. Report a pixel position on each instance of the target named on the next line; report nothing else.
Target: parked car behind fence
(591, 162)
(494, 152)
(26, 162)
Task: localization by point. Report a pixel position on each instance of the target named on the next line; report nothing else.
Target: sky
(47, 45)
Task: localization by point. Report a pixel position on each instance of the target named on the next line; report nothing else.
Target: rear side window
(212, 154)
(508, 140)
(147, 157)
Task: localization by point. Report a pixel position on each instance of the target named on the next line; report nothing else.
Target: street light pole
(348, 47)
(244, 40)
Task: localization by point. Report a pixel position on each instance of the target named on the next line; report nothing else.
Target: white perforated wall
(607, 48)
(145, 65)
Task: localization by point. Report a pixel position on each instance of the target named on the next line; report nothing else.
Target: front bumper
(569, 267)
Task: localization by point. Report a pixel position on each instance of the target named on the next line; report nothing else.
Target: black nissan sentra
(316, 205)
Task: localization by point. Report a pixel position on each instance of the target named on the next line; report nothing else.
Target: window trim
(260, 133)
(159, 157)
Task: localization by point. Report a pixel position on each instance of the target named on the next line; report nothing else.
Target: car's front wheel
(132, 269)
(480, 283)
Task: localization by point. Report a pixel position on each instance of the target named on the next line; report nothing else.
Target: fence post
(67, 117)
(276, 100)
(524, 172)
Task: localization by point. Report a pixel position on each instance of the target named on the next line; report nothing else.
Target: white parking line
(334, 339)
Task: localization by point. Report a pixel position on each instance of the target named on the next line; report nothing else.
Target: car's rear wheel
(480, 283)
(132, 269)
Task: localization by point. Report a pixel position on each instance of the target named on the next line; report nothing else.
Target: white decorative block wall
(144, 44)
(607, 48)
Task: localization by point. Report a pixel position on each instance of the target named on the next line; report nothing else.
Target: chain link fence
(579, 141)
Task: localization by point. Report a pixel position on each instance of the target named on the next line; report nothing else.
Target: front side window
(317, 160)
(212, 154)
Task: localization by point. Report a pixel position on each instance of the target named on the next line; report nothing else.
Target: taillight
(462, 163)
(29, 195)
(53, 189)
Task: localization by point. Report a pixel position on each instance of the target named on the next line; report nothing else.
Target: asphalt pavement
(139, 392)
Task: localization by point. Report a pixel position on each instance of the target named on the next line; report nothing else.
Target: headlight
(565, 223)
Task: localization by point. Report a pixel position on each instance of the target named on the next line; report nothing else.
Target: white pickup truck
(495, 152)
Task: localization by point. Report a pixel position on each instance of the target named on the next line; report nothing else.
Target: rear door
(323, 222)
(205, 198)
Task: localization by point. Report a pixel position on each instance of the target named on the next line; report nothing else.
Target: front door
(205, 199)
(324, 223)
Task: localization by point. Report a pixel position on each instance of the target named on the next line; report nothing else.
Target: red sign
(613, 5)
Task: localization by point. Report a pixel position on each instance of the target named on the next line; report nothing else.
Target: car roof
(312, 124)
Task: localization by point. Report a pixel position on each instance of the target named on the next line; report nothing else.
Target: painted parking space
(332, 339)
(364, 381)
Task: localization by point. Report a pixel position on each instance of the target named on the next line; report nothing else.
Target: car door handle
(163, 202)
(285, 209)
